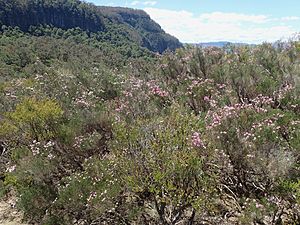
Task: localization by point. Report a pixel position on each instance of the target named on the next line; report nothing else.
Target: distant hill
(146, 31)
(113, 23)
(221, 44)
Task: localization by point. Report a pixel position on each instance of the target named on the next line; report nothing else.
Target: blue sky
(191, 21)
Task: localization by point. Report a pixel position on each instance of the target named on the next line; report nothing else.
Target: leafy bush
(202, 135)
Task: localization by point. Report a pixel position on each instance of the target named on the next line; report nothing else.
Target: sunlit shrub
(159, 165)
(202, 135)
(38, 117)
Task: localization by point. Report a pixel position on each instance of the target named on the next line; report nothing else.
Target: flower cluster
(281, 93)
(156, 90)
(197, 141)
(85, 141)
(11, 168)
(215, 118)
(261, 100)
(40, 148)
(121, 106)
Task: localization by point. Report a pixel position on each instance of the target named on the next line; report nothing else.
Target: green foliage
(39, 117)
(292, 187)
(117, 26)
(87, 194)
(155, 159)
(97, 130)
(35, 201)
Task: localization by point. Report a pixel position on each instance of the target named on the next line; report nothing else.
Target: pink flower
(196, 140)
(156, 90)
(206, 98)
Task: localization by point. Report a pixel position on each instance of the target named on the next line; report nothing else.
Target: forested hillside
(105, 22)
(96, 130)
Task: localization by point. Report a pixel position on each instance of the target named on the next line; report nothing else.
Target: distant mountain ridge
(221, 44)
(134, 25)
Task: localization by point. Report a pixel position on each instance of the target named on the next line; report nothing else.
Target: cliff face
(153, 37)
(58, 13)
(67, 14)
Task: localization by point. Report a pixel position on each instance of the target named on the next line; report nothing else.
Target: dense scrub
(200, 136)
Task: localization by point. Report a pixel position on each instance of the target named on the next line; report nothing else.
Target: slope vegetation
(127, 24)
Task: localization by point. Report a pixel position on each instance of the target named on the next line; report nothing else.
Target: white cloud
(219, 26)
(221, 17)
(146, 3)
(135, 3)
(150, 3)
(109, 4)
(290, 18)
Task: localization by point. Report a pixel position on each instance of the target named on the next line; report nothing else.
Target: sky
(195, 21)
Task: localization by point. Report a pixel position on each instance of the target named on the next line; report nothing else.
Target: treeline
(22, 54)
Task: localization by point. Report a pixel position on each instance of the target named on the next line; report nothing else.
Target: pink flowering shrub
(156, 161)
(200, 135)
